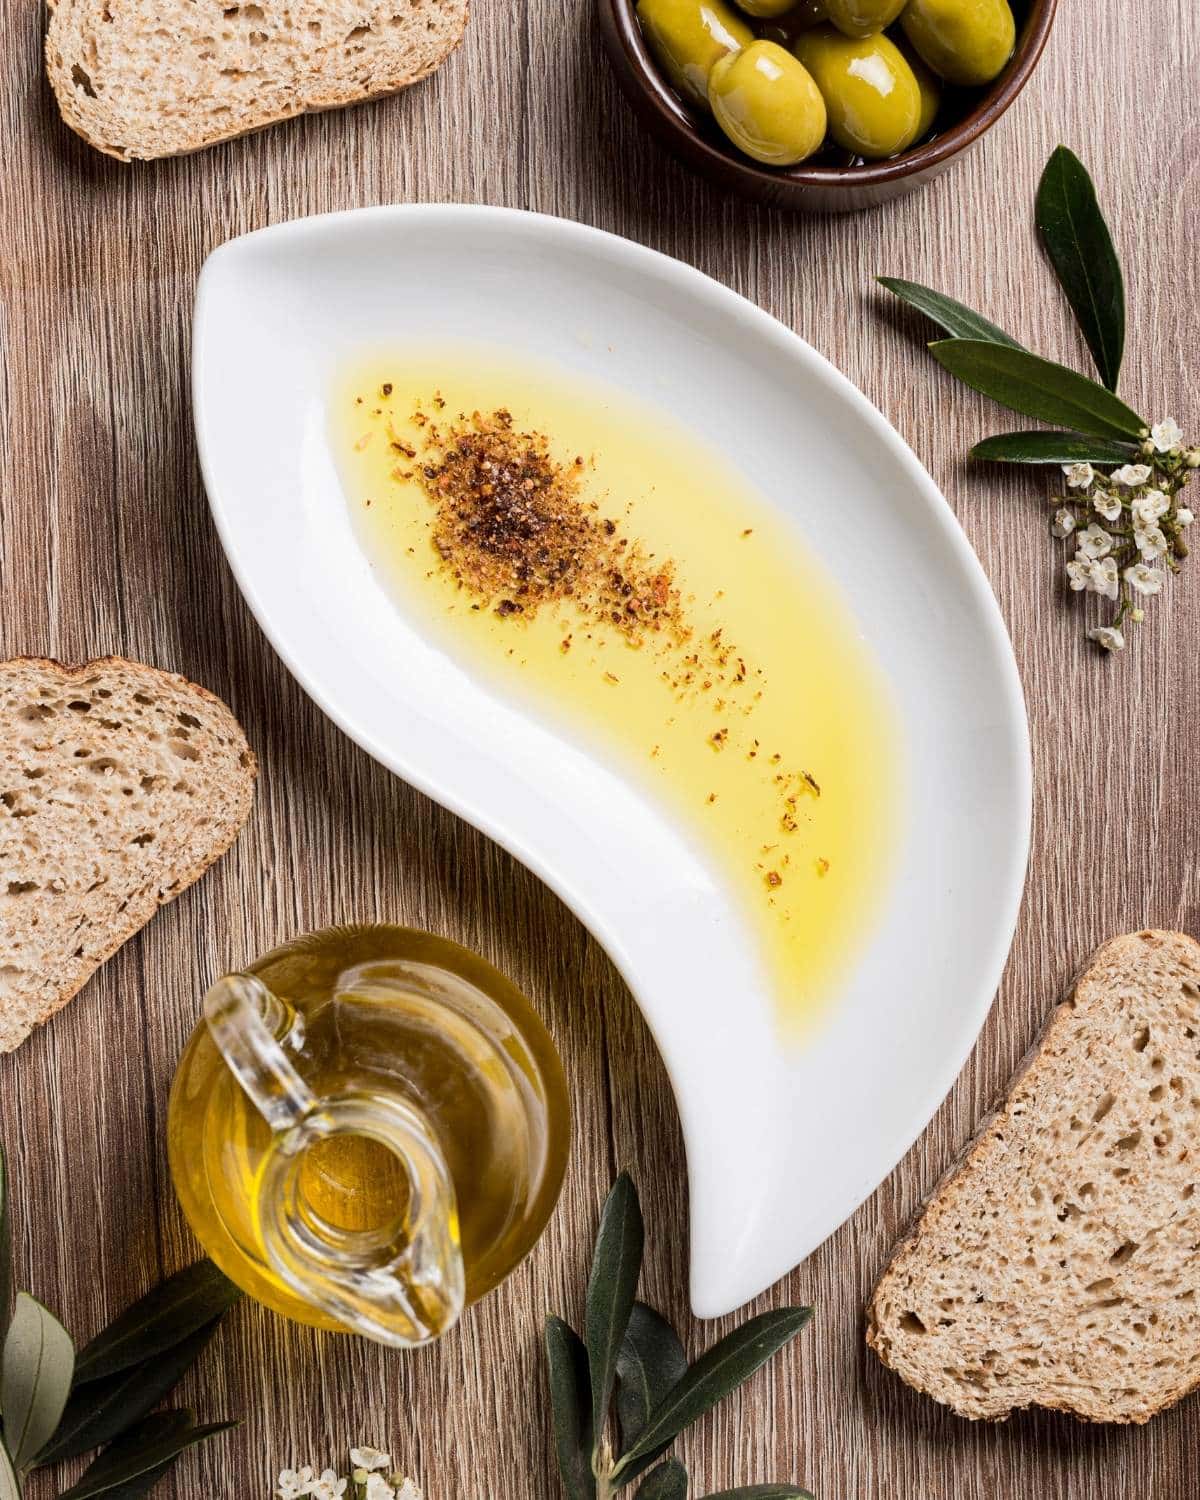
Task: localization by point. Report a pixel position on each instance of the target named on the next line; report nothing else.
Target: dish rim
(492, 822)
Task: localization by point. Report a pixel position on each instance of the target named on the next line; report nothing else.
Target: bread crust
(339, 98)
(73, 975)
(956, 1183)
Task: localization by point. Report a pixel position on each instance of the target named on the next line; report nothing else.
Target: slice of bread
(145, 78)
(1059, 1264)
(119, 786)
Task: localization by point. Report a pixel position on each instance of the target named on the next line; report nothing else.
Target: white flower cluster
(1125, 523)
(370, 1478)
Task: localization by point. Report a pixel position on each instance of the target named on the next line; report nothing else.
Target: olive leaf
(171, 1312)
(714, 1375)
(616, 1266)
(35, 1378)
(762, 1492)
(668, 1482)
(5, 1248)
(133, 1489)
(1052, 448)
(571, 1404)
(1081, 250)
(649, 1362)
(101, 1410)
(151, 1445)
(954, 317)
(10, 1484)
(1037, 387)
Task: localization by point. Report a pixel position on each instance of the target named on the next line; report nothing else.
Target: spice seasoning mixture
(518, 529)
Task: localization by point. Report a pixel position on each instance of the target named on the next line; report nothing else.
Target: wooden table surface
(106, 546)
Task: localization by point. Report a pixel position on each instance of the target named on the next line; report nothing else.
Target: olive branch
(57, 1405)
(1128, 523)
(632, 1353)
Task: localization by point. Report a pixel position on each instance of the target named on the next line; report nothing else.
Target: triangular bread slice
(1059, 1264)
(119, 786)
(145, 78)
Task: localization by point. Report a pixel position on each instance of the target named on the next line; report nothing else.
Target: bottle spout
(399, 1279)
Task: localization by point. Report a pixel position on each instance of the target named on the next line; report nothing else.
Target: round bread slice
(1059, 1264)
(119, 786)
(140, 79)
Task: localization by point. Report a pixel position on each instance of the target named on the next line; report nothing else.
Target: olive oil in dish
(605, 566)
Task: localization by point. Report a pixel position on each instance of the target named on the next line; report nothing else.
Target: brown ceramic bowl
(822, 185)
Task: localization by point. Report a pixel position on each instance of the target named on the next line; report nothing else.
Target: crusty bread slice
(1059, 1265)
(119, 786)
(146, 78)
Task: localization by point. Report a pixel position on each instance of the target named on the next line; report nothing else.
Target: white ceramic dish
(783, 1142)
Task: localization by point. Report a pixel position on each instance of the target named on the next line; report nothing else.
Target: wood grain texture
(106, 546)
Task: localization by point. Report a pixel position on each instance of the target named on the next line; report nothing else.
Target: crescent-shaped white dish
(783, 1140)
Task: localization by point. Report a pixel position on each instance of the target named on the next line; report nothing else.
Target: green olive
(966, 41)
(766, 10)
(872, 97)
(688, 36)
(767, 104)
(863, 17)
(785, 28)
(927, 82)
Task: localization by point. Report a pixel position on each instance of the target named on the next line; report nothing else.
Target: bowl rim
(619, 20)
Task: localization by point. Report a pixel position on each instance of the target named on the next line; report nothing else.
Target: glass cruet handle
(399, 1283)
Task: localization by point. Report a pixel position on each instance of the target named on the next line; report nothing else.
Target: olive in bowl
(967, 41)
(837, 177)
(870, 92)
(766, 102)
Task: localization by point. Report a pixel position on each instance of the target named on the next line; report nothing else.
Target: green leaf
(1052, 448)
(10, 1484)
(762, 1492)
(668, 1482)
(957, 319)
(143, 1484)
(1037, 387)
(151, 1445)
(101, 1410)
(616, 1266)
(35, 1378)
(1081, 249)
(165, 1316)
(714, 1375)
(571, 1402)
(649, 1362)
(5, 1249)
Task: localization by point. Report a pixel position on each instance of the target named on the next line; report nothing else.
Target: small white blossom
(1095, 542)
(1166, 434)
(1103, 578)
(1144, 579)
(293, 1483)
(1107, 636)
(1079, 476)
(1183, 516)
(378, 1488)
(1064, 522)
(1079, 571)
(1150, 507)
(370, 1459)
(1151, 542)
(409, 1491)
(328, 1487)
(1106, 504)
(1131, 474)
